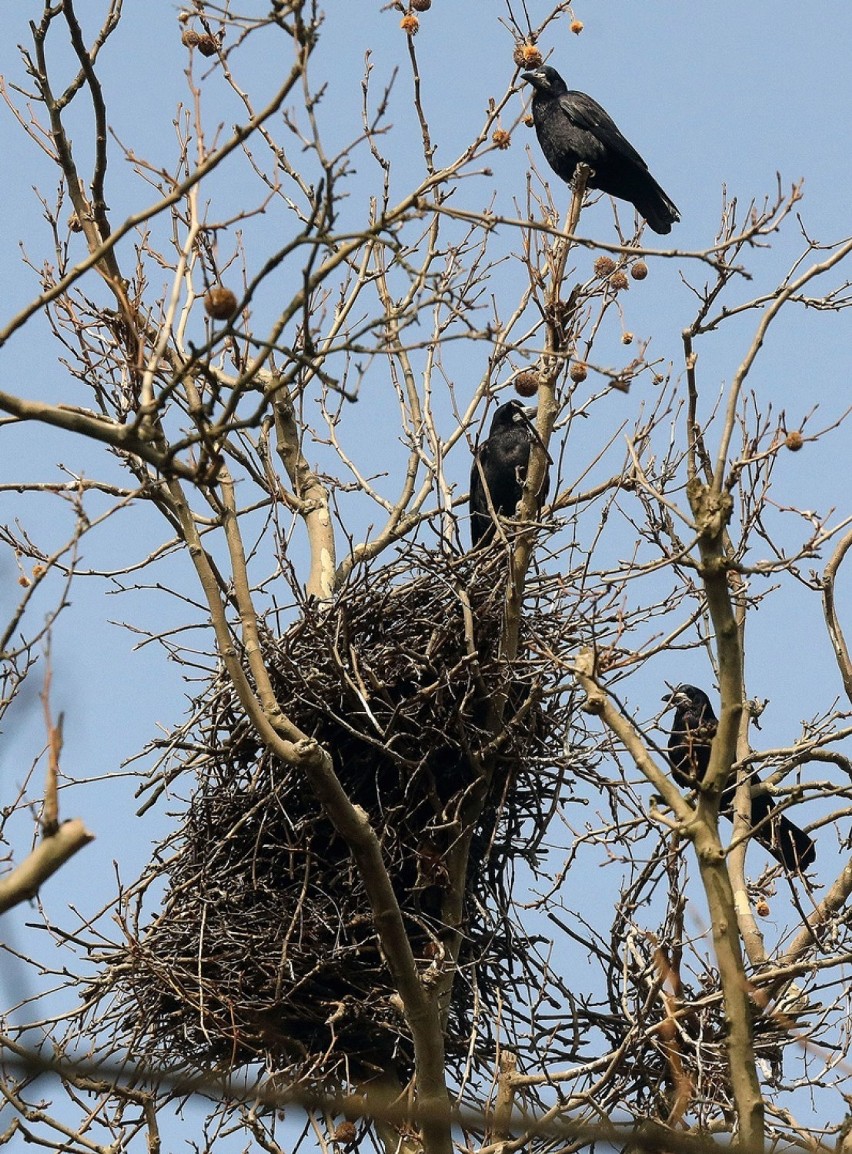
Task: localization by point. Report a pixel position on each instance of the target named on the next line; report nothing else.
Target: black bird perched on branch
(500, 469)
(573, 129)
(691, 736)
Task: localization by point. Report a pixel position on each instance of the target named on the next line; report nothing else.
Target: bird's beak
(674, 699)
(530, 412)
(531, 78)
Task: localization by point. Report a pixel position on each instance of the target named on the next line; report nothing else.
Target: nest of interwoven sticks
(264, 947)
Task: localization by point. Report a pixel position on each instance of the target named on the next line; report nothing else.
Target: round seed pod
(207, 45)
(220, 303)
(530, 56)
(526, 383)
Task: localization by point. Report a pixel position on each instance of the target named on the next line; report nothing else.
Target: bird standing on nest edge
(500, 469)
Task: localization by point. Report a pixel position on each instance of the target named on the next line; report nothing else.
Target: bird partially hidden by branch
(573, 129)
(690, 742)
(500, 469)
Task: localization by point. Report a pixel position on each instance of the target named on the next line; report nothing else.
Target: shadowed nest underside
(264, 948)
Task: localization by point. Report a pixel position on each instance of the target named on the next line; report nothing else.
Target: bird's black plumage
(499, 470)
(691, 737)
(573, 129)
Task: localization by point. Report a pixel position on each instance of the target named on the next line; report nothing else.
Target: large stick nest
(265, 946)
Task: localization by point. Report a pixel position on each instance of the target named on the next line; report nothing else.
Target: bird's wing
(705, 729)
(587, 114)
(477, 478)
(690, 739)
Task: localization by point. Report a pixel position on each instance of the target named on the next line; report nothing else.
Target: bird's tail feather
(659, 211)
(796, 849)
(785, 841)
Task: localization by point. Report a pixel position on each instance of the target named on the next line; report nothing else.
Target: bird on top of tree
(573, 129)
